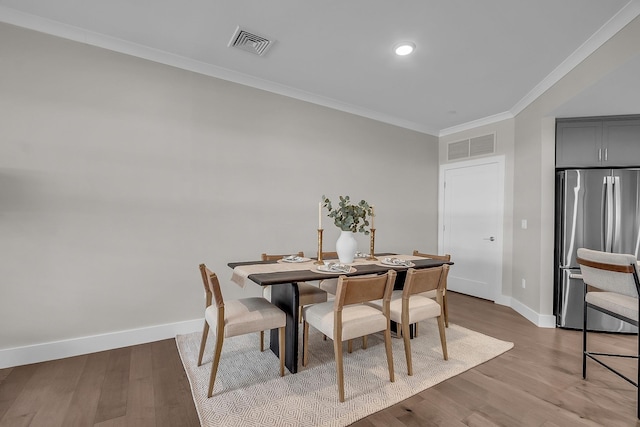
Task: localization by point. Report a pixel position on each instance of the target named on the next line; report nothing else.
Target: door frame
(499, 161)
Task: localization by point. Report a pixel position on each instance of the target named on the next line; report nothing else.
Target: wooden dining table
(284, 278)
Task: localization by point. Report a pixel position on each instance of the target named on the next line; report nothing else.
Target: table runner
(242, 272)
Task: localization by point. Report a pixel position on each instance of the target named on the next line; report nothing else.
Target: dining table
(283, 277)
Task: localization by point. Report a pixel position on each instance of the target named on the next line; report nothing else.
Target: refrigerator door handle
(607, 215)
(617, 207)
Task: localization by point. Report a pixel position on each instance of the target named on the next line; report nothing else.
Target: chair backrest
(355, 290)
(424, 280)
(211, 286)
(274, 257)
(445, 257)
(609, 272)
(329, 255)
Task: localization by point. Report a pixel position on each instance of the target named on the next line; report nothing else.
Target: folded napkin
(337, 267)
(397, 261)
(292, 258)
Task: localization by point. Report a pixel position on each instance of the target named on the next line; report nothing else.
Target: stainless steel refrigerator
(596, 209)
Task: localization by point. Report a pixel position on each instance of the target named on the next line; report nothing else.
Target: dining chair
(329, 285)
(410, 305)
(308, 293)
(616, 278)
(236, 317)
(347, 317)
(432, 294)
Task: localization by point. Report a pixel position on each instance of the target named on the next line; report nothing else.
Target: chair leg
(305, 344)
(445, 308)
(407, 347)
(584, 343)
(203, 342)
(216, 361)
(387, 346)
(337, 348)
(443, 337)
(261, 340)
(281, 333)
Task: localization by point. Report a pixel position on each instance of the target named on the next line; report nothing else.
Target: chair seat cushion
(421, 307)
(357, 319)
(247, 315)
(616, 303)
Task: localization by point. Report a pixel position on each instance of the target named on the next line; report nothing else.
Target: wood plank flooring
(537, 383)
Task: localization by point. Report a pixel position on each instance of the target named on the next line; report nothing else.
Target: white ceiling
(475, 62)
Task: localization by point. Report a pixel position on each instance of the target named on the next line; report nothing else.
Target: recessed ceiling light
(404, 48)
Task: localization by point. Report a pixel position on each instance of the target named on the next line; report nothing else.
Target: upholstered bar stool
(616, 278)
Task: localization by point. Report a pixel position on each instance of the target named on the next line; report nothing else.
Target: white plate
(297, 260)
(408, 263)
(324, 269)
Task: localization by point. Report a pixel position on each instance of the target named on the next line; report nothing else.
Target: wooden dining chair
(309, 294)
(347, 317)
(612, 287)
(329, 285)
(432, 294)
(410, 305)
(236, 317)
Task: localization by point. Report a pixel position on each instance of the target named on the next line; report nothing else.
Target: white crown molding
(476, 123)
(627, 14)
(84, 345)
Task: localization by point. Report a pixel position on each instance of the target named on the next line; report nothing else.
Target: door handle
(489, 238)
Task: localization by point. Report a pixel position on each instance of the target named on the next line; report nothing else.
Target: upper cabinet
(598, 141)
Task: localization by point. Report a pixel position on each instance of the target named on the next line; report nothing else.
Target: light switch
(523, 224)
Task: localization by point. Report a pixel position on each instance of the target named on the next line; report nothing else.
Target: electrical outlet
(524, 283)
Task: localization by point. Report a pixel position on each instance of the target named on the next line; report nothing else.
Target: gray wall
(118, 176)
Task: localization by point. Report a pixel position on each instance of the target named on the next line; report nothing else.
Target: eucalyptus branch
(347, 216)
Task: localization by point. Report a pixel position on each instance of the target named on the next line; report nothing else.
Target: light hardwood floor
(537, 383)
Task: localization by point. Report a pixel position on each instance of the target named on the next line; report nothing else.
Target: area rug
(249, 391)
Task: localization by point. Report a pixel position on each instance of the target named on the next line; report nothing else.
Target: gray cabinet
(622, 146)
(598, 141)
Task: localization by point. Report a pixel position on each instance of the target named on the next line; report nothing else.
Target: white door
(471, 201)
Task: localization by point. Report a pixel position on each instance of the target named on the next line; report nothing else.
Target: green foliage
(347, 216)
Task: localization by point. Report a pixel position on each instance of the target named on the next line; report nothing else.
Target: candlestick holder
(319, 261)
(372, 244)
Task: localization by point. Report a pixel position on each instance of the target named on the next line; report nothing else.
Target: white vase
(346, 246)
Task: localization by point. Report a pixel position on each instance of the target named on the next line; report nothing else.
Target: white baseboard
(84, 345)
(540, 320)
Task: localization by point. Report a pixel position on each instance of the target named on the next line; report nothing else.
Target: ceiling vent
(251, 42)
(476, 146)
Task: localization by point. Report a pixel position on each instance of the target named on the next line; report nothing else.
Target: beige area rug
(249, 391)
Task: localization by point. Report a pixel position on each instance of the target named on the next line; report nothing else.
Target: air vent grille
(482, 145)
(458, 150)
(476, 146)
(250, 42)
